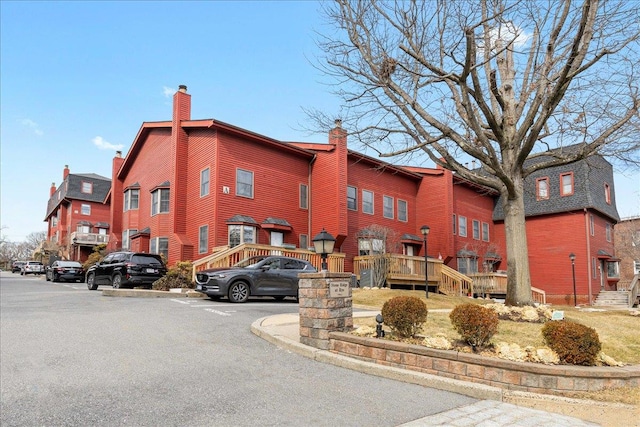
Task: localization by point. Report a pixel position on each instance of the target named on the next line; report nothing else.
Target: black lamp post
(425, 232)
(572, 257)
(323, 244)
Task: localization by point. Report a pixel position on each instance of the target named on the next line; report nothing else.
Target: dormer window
(607, 193)
(566, 184)
(87, 187)
(542, 188)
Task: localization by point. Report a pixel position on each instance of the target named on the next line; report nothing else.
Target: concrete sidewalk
(283, 330)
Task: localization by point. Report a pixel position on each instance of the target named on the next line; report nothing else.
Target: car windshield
(145, 259)
(250, 262)
(69, 264)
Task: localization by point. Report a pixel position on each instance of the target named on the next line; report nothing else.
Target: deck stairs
(613, 300)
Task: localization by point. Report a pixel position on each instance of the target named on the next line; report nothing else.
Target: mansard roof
(71, 189)
(589, 178)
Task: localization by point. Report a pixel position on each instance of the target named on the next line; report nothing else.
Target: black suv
(126, 270)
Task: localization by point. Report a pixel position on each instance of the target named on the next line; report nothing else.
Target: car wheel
(91, 282)
(116, 281)
(279, 298)
(239, 292)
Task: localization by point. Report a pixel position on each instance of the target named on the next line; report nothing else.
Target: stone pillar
(325, 306)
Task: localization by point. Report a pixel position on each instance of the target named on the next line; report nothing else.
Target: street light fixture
(323, 244)
(572, 257)
(425, 232)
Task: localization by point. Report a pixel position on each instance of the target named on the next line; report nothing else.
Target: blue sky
(79, 78)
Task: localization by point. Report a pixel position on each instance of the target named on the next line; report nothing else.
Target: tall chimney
(52, 189)
(65, 172)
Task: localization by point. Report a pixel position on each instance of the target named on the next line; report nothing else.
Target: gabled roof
(217, 125)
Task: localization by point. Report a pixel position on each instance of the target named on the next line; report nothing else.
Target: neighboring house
(570, 209)
(627, 242)
(77, 218)
(189, 186)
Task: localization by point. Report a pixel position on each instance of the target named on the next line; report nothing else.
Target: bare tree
(499, 81)
(380, 242)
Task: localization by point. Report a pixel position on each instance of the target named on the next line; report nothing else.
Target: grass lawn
(619, 332)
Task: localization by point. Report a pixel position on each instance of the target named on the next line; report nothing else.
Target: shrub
(178, 276)
(404, 315)
(475, 324)
(99, 251)
(575, 344)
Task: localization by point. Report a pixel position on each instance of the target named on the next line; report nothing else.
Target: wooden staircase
(613, 300)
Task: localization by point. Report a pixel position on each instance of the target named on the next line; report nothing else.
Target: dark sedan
(275, 276)
(65, 270)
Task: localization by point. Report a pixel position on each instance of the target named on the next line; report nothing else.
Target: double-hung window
(402, 210)
(244, 183)
(203, 239)
(367, 202)
(131, 199)
(462, 226)
(352, 198)
(304, 196)
(85, 209)
(542, 188)
(160, 201)
(387, 207)
(160, 246)
(204, 182)
(476, 229)
(485, 232)
(566, 184)
(87, 187)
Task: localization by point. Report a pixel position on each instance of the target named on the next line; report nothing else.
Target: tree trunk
(518, 277)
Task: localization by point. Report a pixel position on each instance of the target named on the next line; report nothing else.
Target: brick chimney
(52, 189)
(181, 105)
(65, 172)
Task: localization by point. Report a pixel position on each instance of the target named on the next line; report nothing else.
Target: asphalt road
(72, 357)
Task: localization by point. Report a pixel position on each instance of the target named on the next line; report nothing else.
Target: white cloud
(167, 91)
(507, 33)
(99, 142)
(33, 126)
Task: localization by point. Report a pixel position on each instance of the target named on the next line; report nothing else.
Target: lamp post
(572, 257)
(323, 244)
(425, 232)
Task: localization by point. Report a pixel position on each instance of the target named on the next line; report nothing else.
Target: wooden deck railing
(400, 270)
(223, 256)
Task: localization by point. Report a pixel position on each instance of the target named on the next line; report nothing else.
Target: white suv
(32, 267)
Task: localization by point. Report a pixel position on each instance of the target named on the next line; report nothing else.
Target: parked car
(275, 276)
(65, 270)
(126, 270)
(32, 267)
(16, 267)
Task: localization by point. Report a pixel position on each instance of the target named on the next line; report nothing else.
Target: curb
(478, 391)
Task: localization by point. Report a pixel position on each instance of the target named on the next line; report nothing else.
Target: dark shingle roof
(71, 189)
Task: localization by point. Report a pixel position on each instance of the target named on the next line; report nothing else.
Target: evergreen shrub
(475, 324)
(574, 343)
(405, 315)
(178, 276)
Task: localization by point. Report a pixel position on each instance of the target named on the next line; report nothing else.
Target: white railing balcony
(78, 238)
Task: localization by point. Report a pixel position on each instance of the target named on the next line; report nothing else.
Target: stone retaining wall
(506, 374)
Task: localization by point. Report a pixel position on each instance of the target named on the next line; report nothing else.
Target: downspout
(588, 234)
(309, 236)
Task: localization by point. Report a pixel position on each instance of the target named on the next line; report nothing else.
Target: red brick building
(77, 218)
(188, 186)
